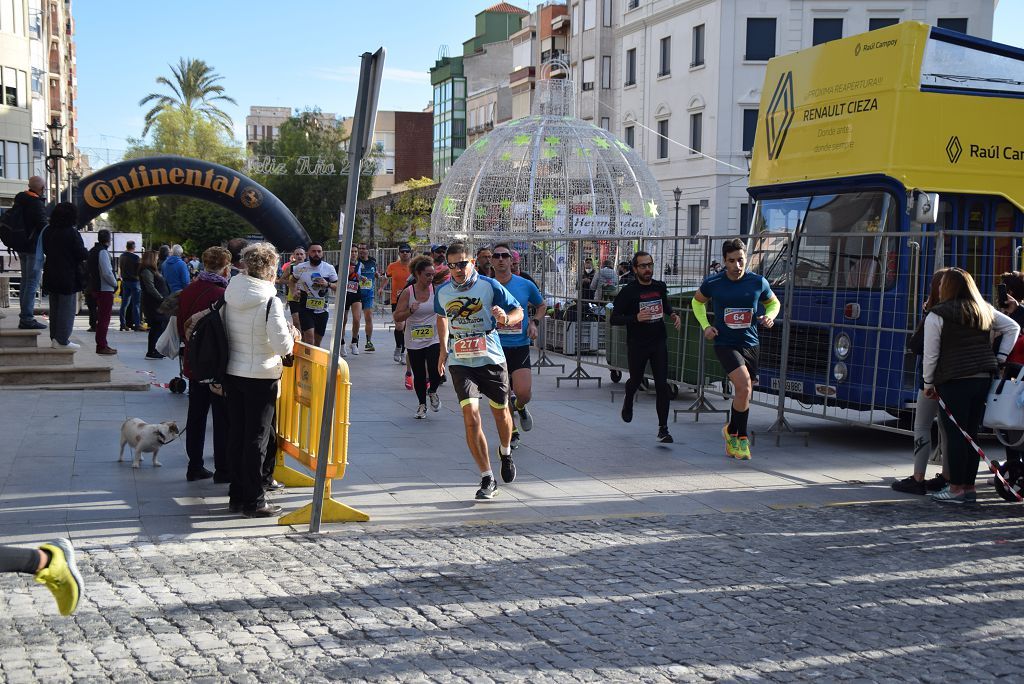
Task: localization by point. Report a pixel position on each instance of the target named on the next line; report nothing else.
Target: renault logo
(779, 115)
(953, 150)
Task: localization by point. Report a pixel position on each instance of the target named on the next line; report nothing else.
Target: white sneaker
(421, 412)
(70, 345)
(343, 352)
(398, 356)
(435, 402)
(355, 349)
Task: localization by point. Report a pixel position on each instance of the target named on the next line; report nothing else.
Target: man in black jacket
(642, 306)
(33, 210)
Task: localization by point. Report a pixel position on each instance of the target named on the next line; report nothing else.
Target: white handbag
(1003, 410)
(168, 342)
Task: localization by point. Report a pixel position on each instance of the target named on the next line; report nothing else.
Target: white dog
(143, 437)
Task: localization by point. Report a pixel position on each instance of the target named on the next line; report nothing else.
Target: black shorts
(471, 381)
(516, 358)
(352, 298)
(295, 307)
(310, 320)
(732, 358)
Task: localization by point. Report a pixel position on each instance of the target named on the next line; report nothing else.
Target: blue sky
(278, 54)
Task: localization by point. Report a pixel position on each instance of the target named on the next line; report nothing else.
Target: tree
(316, 182)
(409, 218)
(195, 94)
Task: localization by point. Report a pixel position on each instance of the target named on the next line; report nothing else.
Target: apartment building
(264, 123)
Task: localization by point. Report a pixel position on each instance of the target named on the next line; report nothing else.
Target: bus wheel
(615, 375)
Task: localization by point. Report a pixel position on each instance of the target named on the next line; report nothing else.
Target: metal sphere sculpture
(545, 176)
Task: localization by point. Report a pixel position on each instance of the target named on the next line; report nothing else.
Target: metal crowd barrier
(299, 414)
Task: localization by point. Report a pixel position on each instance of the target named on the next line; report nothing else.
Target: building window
(631, 67)
(589, 14)
(575, 19)
(665, 56)
(745, 208)
(632, 4)
(606, 12)
(698, 46)
(9, 87)
(881, 22)
(693, 219)
(588, 73)
(695, 131)
(663, 139)
(38, 76)
(760, 39)
(606, 123)
(749, 128)
(826, 30)
(959, 25)
(606, 72)
(629, 133)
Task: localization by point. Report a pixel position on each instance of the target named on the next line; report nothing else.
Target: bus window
(1004, 223)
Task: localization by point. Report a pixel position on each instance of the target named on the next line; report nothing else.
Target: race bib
(316, 303)
(423, 332)
(738, 319)
(653, 307)
(365, 283)
(510, 329)
(470, 347)
(352, 286)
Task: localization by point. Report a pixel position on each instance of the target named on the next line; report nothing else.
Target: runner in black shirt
(642, 306)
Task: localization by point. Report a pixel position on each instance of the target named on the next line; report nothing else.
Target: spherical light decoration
(545, 176)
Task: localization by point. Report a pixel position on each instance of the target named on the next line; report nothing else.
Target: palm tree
(195, 92)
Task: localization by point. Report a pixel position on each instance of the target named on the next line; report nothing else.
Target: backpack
(208, 345)
(13, 232)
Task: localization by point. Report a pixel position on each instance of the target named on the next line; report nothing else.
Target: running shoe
(61, 575)
(525, 419)
(369, 346)
(435, 402)
(421, 411)
(355, 349)
(515, 439)
(408, 381)
(343, 352)
(663, 435)
(909, 485)
(627, 408)
(947, 496)
(937, 483)
(732, 445)
(397, 356)
(508, 467)
(743, 448)
(488, 488)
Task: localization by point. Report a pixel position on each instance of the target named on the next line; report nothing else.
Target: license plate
(791, 385)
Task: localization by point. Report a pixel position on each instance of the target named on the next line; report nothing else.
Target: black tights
(657, 354)
(17, 559)
(424, 364)
(399, 339)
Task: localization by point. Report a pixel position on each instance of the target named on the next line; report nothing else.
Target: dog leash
(977, 448)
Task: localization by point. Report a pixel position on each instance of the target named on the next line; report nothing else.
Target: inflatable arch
(170, 175)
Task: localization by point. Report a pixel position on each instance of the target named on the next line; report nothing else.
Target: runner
(367, 278)
(353, 302)
(642, 306)
(517, 338)
(441, 273)
(473, 306)
(314, 280)
(397, 272)
(483, 262)
(416, 311)
(736, 296)
(293, 296)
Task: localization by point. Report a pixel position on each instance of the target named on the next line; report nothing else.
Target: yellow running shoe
(61, 575)
(731, 444)
(743, 452)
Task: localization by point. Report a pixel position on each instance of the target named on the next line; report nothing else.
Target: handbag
(1003, 410)
(168, 343)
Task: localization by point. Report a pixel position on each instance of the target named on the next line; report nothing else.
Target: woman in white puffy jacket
(259, 334)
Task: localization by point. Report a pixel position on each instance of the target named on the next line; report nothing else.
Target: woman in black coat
(154, 291)
(62, 273)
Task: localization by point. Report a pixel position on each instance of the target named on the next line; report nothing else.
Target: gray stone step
(35, 356)
(53, 375)
(13, 337)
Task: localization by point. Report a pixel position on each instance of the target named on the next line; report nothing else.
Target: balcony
(521, 75)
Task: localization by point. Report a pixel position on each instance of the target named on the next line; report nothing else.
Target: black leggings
(424, 364)
(17, 559)
(656, 353)
(965, 399)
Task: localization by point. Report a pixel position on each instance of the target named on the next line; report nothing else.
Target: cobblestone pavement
(906, 592)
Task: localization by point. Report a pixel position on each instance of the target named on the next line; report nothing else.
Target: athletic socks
(505, 450)
(487, 473)
(738, 422)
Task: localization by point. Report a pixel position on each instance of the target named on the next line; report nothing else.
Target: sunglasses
(458, 264)
(647, 265)
(405, 251)
(501, 255)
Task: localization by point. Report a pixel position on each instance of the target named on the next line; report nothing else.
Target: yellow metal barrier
(299, 415)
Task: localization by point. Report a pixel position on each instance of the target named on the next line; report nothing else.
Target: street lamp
(56, 153)
(677, 193)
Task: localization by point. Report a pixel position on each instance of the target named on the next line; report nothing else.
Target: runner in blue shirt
(517, 338)
(736, 295)
(469, 309)
(367, 274)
